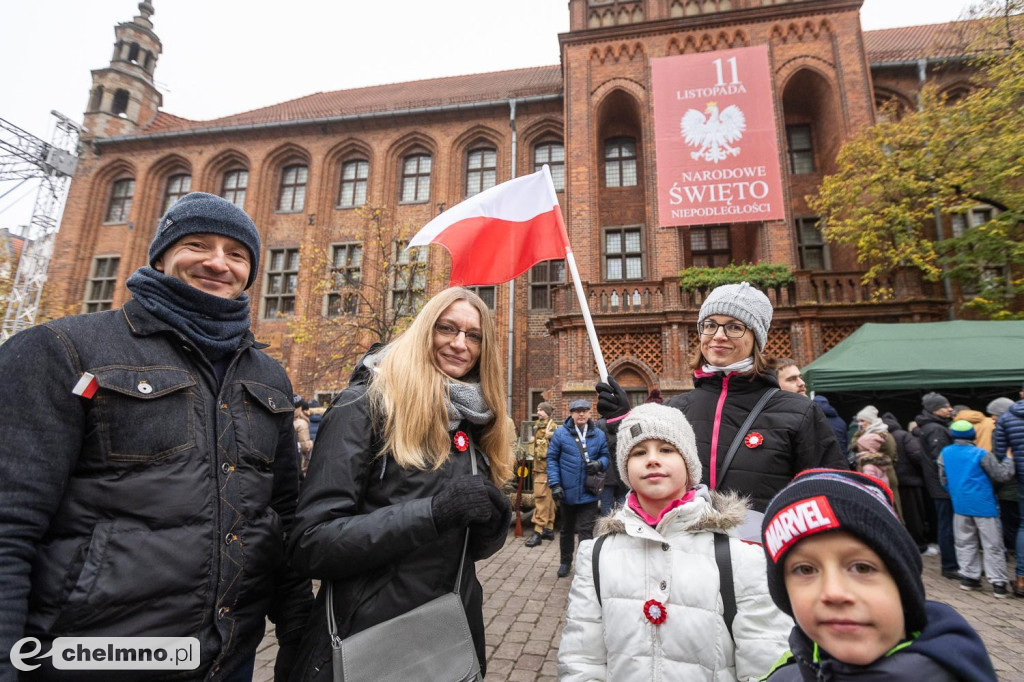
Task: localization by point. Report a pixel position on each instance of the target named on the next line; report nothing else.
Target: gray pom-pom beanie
(743, 302)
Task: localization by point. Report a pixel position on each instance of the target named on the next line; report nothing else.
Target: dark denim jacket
(159, 506)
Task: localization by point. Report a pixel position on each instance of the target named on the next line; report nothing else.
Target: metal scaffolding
(25, 157)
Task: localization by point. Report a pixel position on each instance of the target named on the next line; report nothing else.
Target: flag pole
(580, 294)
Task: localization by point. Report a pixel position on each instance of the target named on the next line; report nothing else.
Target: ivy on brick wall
(760, 275)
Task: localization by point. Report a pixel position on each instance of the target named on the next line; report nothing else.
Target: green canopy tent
(894, 364)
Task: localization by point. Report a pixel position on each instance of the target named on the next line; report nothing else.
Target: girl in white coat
(660, 614)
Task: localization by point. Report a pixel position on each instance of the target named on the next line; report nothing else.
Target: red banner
(715, 138)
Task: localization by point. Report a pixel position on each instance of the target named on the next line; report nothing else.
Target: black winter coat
(159, 507)
(792, 434)
(910, 462)
(933, 433)
(366, 523)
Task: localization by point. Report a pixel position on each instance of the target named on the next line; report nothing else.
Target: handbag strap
(723, 557)
(724, 468)
(332, 624)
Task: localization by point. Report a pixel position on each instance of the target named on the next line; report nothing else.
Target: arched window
(416, 178)
(177, 187)
(620, 162)
(481, 170)
(97, 99)
(120, 205)
(292, 195)
(234, 185)
(120, 106)
(553, 154)
(352, 192)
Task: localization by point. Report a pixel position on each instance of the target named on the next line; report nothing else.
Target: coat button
(270, 401)
(145, 387)
(229, 538)
(664, 585)
(664, 547)
(223, 611)
(226, 468)
(223, 406)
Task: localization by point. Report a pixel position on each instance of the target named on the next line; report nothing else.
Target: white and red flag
(500, 233)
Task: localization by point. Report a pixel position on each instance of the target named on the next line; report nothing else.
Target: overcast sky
(223, 57)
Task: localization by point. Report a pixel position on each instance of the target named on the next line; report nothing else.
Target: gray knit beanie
(745, 303)
(934, 401)
(998, 407)
(202, 213)
(868, 414)
(661, 422)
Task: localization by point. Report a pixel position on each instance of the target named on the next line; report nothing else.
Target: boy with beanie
(843, 566)
(968, 472)
(650, 608)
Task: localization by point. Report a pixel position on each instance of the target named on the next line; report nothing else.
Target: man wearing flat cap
(577, 449)
(147, 467)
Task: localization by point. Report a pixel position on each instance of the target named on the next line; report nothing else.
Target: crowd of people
(151, 465)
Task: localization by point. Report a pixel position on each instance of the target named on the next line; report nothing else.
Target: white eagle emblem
(713, 133)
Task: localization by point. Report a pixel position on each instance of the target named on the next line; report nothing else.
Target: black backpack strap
(596, 563)
(723, 468)
(723, 557)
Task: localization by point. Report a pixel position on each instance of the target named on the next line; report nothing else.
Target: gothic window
(623, 255)
(282, 281)
(354, 176)
(481, 170)
(710, 246)
(409, 283)
(177, 187)
(99, 291)
(292, 195)
(120, 200)
(416, 178)
(486, 294)
(234, 185)
(811, 244)
(801, 149)
(553, 154)
(620, 162)
(544, 277)
(346, 274)
(120, 104)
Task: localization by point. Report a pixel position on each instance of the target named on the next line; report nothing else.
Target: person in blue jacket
(578, 448)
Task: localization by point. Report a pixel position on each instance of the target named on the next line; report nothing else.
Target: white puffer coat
(673, 563)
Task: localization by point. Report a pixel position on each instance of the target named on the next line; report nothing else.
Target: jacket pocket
(264, 407)
(145, 413)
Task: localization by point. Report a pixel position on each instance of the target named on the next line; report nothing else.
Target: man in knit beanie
(932, 431)
(843, 566)
(169, 434)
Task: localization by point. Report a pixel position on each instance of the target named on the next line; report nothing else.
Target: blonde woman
(389, 494)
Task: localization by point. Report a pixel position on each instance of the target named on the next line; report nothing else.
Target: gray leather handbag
(431, 642)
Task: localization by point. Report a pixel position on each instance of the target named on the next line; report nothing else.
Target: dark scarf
(215, 325)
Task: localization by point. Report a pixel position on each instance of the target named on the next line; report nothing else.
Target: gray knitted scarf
(466, 401)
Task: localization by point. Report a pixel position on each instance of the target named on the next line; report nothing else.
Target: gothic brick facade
(828, 76)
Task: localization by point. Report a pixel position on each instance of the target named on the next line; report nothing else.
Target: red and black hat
(823, 500)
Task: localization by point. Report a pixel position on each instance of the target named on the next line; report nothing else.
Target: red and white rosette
(461, 441)
(655, 612)
(753, 440)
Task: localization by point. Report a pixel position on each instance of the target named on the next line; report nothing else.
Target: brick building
(302, 169)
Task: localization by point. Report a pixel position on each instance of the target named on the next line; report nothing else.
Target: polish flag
(86, 386)
(500, 233)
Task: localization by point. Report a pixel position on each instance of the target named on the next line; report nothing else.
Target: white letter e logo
(17, 656)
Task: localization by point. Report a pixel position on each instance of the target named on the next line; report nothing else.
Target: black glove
(485, 533)
(612, 401)
(594, 467)
(461, 503)
(501, 508)
(557, 494)
(287, 657)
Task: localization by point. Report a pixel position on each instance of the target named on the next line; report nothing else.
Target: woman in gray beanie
(789, 434)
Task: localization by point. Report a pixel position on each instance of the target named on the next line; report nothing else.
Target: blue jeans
(947, 547)
(1020, 539)
(610, 498)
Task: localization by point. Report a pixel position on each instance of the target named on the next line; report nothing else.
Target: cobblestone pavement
(524, 611)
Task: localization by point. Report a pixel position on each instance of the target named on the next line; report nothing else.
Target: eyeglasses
(450, 331)
(734, 330)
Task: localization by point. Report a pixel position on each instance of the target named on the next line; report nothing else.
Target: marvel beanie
(745, 303)
(660, 422)
(820, 500)
(202, 213)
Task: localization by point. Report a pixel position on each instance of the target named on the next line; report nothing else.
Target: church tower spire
(124, 96)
